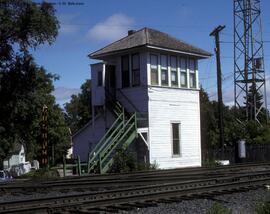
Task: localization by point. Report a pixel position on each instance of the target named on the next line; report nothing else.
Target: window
(192, 74)
(175, 139)
(135, 69)
(154, 69)
(174, 76)
(164, 70)
(183, 72)
(125, 71)
(99, 83)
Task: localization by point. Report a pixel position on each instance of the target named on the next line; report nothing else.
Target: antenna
(249, 73)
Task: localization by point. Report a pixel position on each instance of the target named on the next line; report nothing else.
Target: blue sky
(95, 23)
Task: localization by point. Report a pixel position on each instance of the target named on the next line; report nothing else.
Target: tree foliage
(24, 25)
(24, 86)
(233, 129)
(78, 110)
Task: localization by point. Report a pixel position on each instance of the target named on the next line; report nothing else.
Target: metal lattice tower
(249, 73)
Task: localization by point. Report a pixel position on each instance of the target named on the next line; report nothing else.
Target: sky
(88, 25)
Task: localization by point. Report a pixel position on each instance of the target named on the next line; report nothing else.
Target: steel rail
(118, 182)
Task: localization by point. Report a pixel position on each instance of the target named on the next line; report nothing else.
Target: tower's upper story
(145, 58)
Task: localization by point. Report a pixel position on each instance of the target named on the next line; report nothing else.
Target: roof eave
(202, 56)
(99, 56)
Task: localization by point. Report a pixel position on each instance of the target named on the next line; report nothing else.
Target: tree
(78, 110)
(25, 24)
(25, 89)
(24, 86)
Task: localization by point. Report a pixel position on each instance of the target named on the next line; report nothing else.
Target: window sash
(183, 79)
(125, 71)
(135, 69)
(192, 80)
(164, 62)
(183, 65)
(154, 77)
(154, 69)
(174, 78)
(175, 138)
(164, 77)
(173, 63)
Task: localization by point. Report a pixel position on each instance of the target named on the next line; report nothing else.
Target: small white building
(16, 156)
(155, 75)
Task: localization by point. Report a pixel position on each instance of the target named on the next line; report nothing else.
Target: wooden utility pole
(215, 33)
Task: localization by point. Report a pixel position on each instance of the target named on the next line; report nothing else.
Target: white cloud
(113, 28)
(64, 94)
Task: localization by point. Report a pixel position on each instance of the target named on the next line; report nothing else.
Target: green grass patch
(218, 208)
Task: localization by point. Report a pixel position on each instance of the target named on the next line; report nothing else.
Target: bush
(218, 208)
(124, 161)
(211, 163)
(263, 207)
(42, 174)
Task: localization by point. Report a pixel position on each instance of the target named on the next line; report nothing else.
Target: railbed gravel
(238, 203)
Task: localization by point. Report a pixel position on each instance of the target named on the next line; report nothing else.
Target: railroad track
(220, 181)
(125, 197)
(97, 182)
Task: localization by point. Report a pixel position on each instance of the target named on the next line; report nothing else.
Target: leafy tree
(78, 110)
(25, 89)
(24, 86)
(24, 25)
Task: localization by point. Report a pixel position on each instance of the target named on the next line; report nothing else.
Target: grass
(41, 174)
(218, 208)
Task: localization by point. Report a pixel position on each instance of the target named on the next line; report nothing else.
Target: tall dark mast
(249, 73)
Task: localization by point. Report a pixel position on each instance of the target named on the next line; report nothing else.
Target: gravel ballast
(238, 203)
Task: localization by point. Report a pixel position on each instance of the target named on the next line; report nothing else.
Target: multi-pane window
(154, 69)
(99, 79)
(125, 71)
(175, 138)
(164, 70)
(183, 72)
(192, 74)
(174, 76)
(135, 63)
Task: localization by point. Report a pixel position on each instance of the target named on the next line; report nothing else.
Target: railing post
(79, 165)
(64, 166)
(100, 164)
(88, 163)
(135, 121)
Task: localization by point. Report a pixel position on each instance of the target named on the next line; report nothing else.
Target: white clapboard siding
(168, 105)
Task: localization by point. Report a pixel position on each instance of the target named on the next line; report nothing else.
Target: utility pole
(215, 33)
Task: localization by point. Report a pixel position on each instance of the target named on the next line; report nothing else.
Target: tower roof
(150, 38)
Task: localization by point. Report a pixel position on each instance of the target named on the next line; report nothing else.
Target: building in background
(15, 157)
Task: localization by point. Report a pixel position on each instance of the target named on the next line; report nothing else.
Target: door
(110, 81)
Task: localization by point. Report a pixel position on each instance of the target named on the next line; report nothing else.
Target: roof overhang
(179, 52)
(102, 56)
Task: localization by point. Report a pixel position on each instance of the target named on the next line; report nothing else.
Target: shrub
(263, 207)
(218, 208)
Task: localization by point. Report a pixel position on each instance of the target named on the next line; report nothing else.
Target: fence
(254, 153)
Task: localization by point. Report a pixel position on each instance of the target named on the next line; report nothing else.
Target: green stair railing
(122, 140)
(115, 127)
(120, 135)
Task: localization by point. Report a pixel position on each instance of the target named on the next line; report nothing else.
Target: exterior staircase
(120, 135)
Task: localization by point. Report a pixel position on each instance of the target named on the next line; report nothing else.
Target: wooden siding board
(167, 105)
